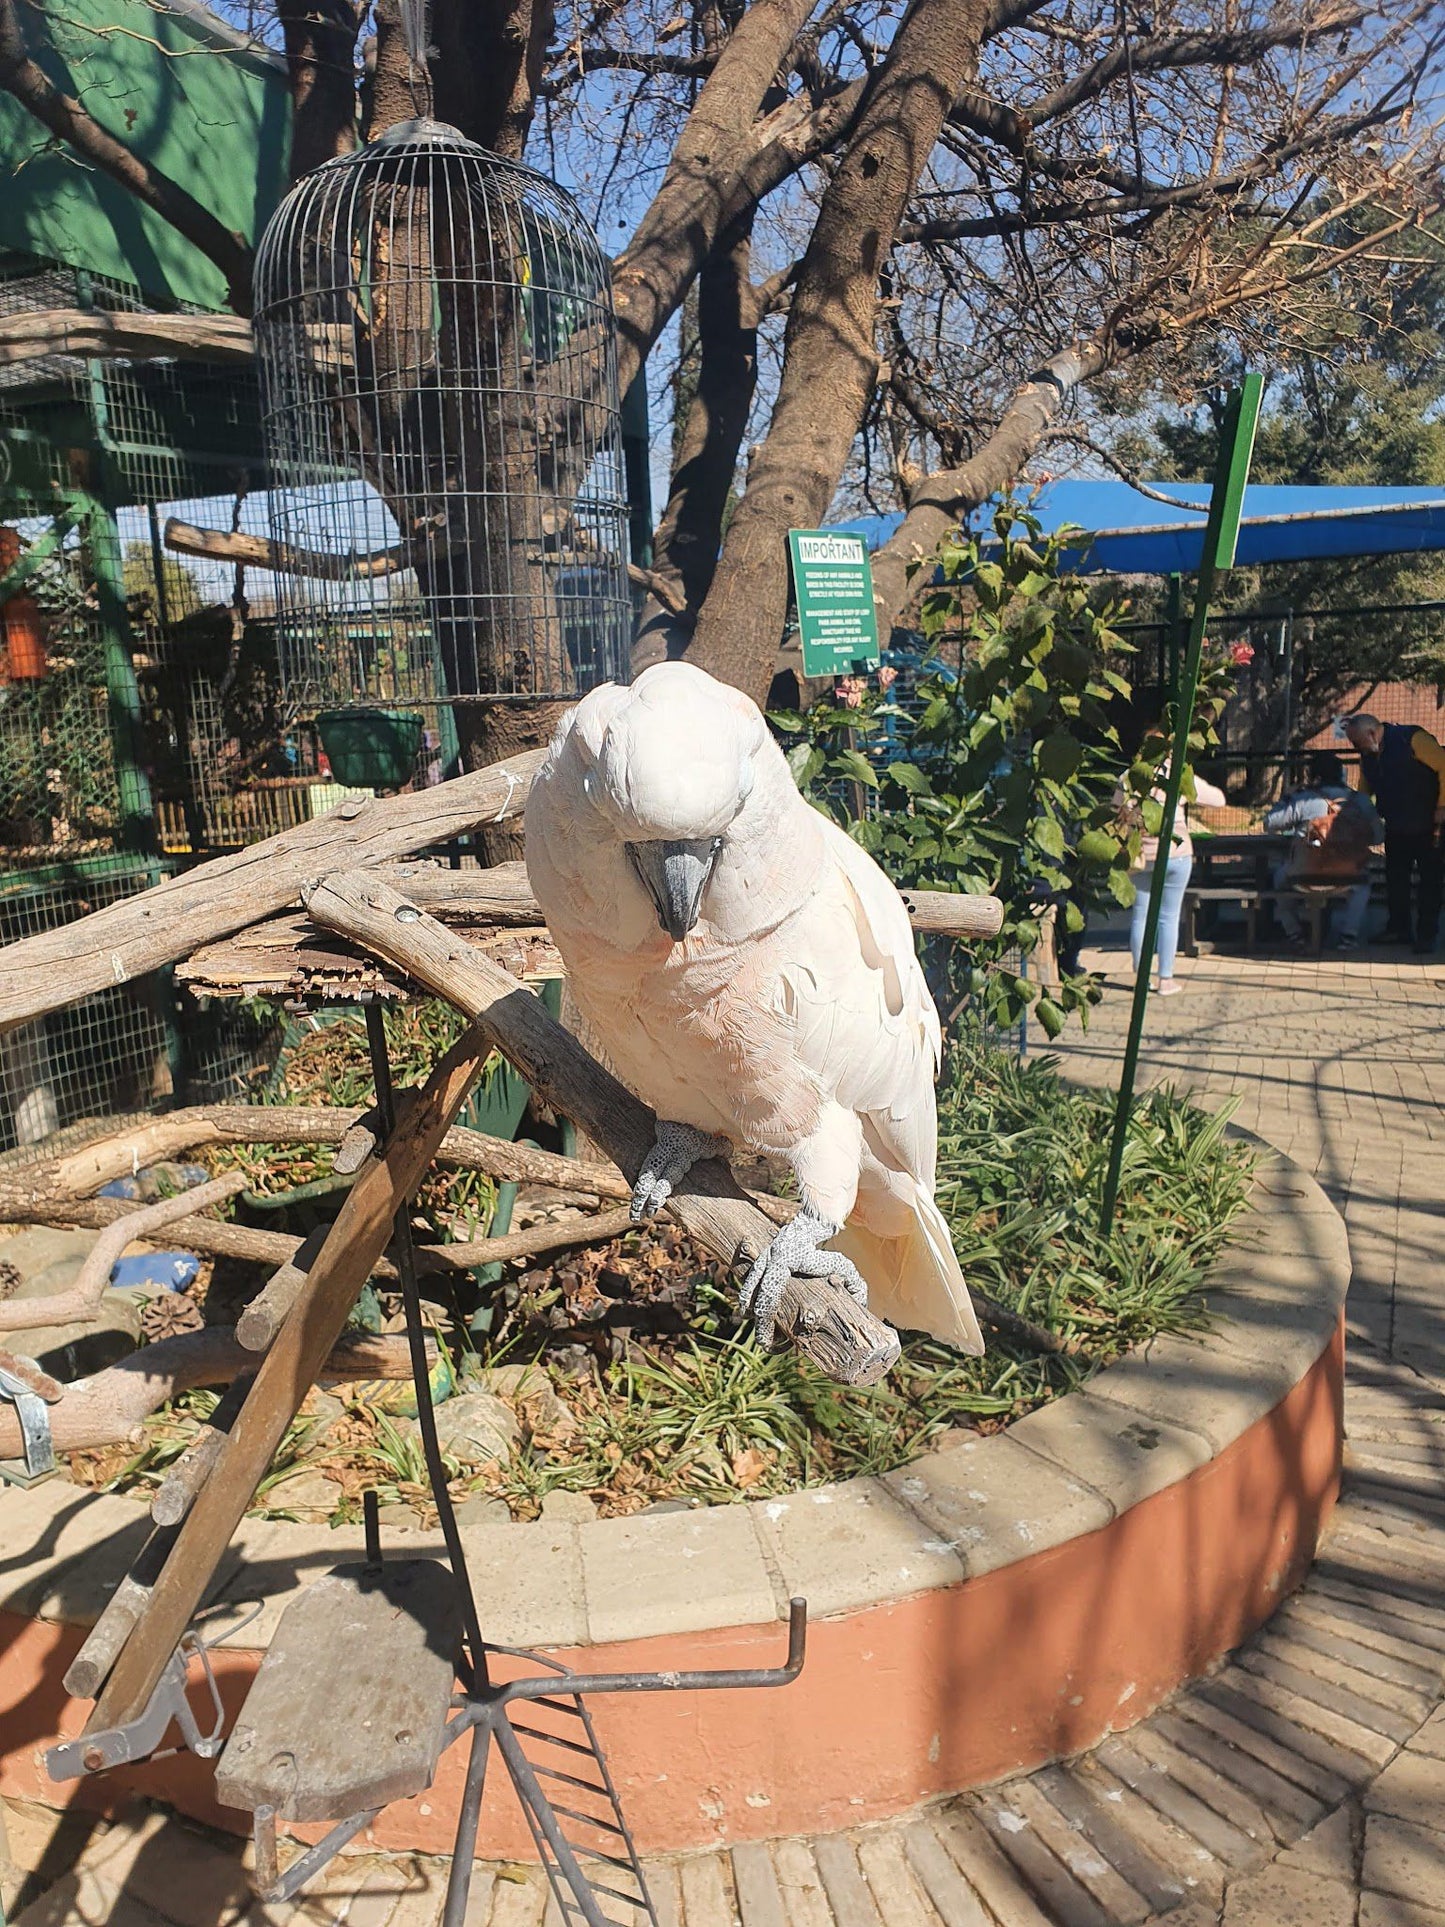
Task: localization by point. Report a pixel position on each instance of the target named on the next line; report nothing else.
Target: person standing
(1334, 829)
(1403, 769)
(1176, 881)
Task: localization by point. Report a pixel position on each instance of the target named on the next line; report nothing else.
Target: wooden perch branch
(78, 1173)
(144, 932)
(258, 551)
(80, 1302)
(504, 895)
(106, 1408)
(842, 1338)
(79, 331)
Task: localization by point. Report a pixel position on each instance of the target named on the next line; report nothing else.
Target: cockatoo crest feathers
(671, 756)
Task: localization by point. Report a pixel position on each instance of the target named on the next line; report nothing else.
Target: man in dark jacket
(1404, 770)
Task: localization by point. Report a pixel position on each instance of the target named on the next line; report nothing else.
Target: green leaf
(852, 764)
(1121, 888)
(1097, 846)
(1049, 836)
(1058, 756)
(908, 776)
(1049, 1015)
(804, 762)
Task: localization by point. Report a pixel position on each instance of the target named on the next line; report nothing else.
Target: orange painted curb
(897, 1704)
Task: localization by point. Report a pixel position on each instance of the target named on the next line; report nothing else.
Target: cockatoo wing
(866, 1027)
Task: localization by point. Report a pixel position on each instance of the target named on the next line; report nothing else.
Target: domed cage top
(448, 518)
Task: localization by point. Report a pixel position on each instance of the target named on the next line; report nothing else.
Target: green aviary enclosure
(138, 718)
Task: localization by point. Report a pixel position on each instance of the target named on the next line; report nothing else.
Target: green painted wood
(178, 89)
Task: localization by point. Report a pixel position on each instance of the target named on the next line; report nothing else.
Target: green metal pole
(137, 813)
(1221, 537)
(1174, 619)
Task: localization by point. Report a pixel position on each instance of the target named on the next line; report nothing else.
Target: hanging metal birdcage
(438, 369)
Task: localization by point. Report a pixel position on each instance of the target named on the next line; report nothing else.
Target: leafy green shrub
(1005, 778)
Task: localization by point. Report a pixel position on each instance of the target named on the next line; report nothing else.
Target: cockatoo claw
(795, 1252)
(678, 1148)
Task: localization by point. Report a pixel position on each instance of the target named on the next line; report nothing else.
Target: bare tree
(922, 237)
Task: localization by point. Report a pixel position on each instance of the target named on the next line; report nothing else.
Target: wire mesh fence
(134, 700)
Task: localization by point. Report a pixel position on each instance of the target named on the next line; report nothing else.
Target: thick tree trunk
(830, 358)
(685, 547)
(320, 37)
(486, 77)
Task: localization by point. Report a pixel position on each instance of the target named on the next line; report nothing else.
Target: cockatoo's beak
(675, 875)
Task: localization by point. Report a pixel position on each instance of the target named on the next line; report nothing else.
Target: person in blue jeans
(1176, 882)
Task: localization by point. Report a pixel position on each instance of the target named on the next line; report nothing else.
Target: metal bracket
(34, 1416)
(140, 1738)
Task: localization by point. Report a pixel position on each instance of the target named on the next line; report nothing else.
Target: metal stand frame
(553, 1756)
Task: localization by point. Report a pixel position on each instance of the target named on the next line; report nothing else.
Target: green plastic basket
(371, 749)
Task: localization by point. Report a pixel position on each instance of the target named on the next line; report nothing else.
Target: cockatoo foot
(678, 1148)
(795, 1252)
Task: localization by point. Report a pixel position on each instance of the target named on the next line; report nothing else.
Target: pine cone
(9, 1278)
(168, 1316)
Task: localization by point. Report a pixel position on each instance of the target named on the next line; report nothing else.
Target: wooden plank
(1325, 1785)
(1289, 1810)
(287, 1372)
(1080, 1855)
(1421, 1673)
(900, 1900)
(805, 1899)
(1264, 1684)
(760, 1899)
(355, 1652)
(1226, 1798)
(144, 932)
(1067, 1899)
(954, 1901)
(1229, 1844)
(1199, 1873)
(1422, 1643)
(840, 1336)
(988, 1871)
(1356, 1585)
(1107, 1832)
(848, 1892)
(1283, 1664)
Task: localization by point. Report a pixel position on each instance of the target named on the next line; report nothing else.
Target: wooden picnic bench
(1315, 899)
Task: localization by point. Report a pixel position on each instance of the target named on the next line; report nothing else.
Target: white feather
(794, 1019)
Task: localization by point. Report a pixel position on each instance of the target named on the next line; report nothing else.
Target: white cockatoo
(750, 973)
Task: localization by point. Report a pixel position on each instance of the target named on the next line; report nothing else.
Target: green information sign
(833, 582)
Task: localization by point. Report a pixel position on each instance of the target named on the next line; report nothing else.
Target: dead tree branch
(107, 1408)
(80, 1302)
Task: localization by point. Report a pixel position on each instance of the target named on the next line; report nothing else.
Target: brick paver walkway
(1301, 1786)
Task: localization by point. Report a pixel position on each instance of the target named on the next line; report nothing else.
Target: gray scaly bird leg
(795, 1252)
(678, 1148)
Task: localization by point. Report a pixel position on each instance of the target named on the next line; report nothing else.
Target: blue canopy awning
(1131, 534)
